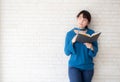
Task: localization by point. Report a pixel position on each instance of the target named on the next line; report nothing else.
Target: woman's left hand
(89, 45)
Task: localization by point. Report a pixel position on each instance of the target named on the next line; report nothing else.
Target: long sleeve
(93, 52)
(68, 48)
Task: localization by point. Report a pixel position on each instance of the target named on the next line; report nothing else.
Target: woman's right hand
(74, 38)
(76, 31)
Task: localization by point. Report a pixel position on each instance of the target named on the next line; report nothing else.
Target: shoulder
(70, 32)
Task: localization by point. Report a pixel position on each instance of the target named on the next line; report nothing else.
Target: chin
(81, 26)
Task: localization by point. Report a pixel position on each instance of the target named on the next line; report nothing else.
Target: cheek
(78, 20)
(85, 23)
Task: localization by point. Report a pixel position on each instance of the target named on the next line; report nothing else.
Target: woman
(81, 65)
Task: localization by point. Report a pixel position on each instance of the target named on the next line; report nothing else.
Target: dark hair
(86, 15)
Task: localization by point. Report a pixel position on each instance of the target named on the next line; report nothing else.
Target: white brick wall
(32, 39)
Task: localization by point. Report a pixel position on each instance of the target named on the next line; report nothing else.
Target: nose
(81, 21)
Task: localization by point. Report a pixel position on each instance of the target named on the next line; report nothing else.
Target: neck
(83, 29)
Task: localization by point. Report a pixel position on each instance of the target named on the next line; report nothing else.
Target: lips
(81, 24)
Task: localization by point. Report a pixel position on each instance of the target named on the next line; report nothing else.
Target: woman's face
(82, 22)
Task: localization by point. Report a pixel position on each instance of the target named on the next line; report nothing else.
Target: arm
(92, 48)
(68, 48)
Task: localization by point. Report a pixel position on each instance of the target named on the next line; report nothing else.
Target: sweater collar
(77, 28)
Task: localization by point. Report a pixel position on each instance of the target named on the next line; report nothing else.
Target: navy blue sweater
(80, 56)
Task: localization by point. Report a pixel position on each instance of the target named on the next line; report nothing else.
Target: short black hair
(86, 15)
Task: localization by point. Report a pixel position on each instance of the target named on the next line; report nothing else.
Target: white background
(32, 34)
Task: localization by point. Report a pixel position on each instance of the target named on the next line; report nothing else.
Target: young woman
(80, 65)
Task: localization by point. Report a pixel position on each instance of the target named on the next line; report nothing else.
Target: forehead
(81, 16)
